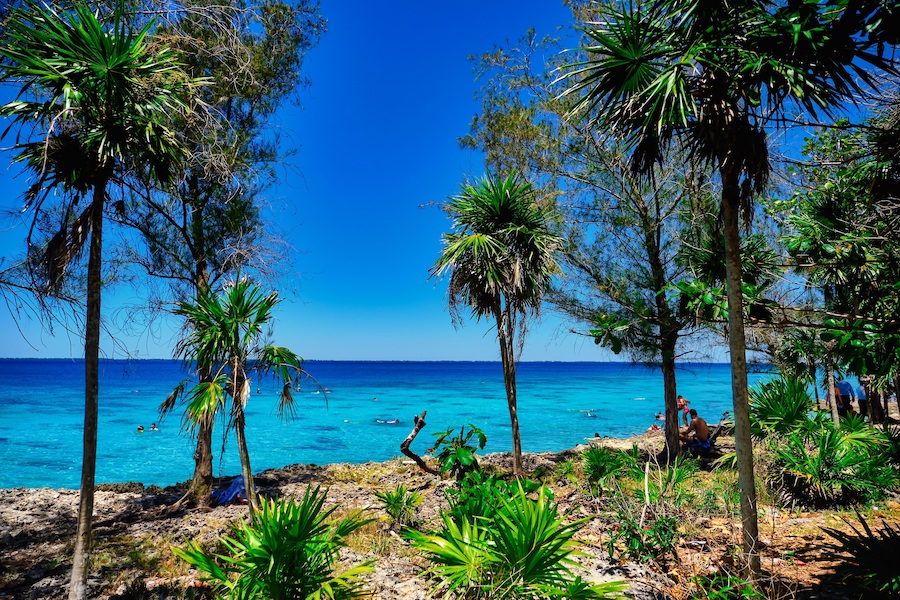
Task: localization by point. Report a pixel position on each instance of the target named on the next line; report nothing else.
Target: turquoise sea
(41, 413)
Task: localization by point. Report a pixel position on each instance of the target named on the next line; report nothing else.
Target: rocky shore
(134, 534)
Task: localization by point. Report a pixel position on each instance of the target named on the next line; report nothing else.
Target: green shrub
(872, 560)
(287, 551)
(777, 407)
(666, 483)
(479, 495)
(723, 587)
(836, 467)
(522, 549)
(456, 454)
(400, 504)
(601, 463)
(655, 539)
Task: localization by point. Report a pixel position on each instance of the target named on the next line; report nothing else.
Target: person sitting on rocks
(697, 432)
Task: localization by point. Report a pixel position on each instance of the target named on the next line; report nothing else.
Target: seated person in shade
(696, 431)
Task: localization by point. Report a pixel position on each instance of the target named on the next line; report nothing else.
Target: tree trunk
(737, 346)
(200, 491)
(240, 391)
(246, 471)
(83, 536)
(673, 442)
(506, 335)
(829, 379)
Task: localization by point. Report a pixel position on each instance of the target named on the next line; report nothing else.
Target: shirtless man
(697, 431)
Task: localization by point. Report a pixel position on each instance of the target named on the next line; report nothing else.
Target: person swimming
(140, 429)
(153, 427)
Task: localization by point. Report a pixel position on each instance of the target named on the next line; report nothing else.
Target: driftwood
(404, 447)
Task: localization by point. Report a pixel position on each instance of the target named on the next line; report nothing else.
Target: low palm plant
(602, 463)
(400, 504)
(778, 407)
(836, 467)
(287, 551)
(523, 549)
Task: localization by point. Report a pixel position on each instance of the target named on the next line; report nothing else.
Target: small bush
(456, 454)
(286, 551)
(522, 549)
(655, 539)
(723, 587)
(400, 504)
(836, 467)
(479, 495)
(779, 406)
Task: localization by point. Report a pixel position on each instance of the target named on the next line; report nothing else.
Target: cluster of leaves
(479, 495)
(400, 504)
(456, 454)
(522, 549)
(723, 587)
(633, 540)
(817, 464)
(287, 550)
(779, 406)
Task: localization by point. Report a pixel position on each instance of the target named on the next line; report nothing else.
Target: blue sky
(376, 140)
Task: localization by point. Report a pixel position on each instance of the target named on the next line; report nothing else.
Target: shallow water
(41, 413)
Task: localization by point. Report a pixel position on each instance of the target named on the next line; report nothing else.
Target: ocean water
(42, 403)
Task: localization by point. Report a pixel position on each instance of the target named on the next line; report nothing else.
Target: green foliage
(522, 549)
(287, 551)
(835, 467)
(480, 495)
(872, 560)
(567, 469)
(778, 407)
(666, 483)
(633, 540)
(723, 587)
(400, 504)
(600, 463)
(456, 454)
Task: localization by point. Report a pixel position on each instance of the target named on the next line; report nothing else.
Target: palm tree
(228, 332)
(96, 98)
(714, 74)
(500, 257)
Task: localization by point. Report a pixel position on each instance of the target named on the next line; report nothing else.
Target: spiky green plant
(523, 549)
(287, 551)
(778, 407)
(400, 504)
(836, 467)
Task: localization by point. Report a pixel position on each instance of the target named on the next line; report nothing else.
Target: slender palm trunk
(239, 393)
(738, 348)
(83, 536)
(829, 379)
(506, 337)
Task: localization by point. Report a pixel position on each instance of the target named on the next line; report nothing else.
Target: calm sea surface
(42, 403)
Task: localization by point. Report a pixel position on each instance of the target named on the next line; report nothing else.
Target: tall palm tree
(500, 257)
(714, 75)
(227, 333)
(92, 102)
